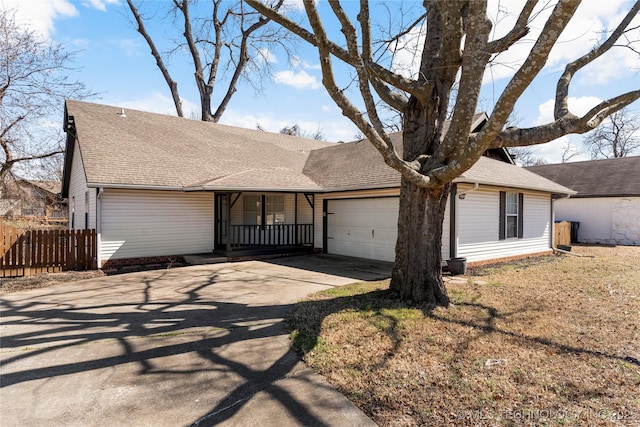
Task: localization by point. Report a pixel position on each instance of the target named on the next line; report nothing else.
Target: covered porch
(263, 223)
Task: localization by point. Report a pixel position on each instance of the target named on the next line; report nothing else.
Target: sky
(113, 60)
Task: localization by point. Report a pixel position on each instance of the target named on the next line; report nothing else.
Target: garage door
(363, 228)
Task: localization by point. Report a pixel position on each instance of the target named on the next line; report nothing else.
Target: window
(251, 210)
(511, 215)
(263, 210)
(274, 210)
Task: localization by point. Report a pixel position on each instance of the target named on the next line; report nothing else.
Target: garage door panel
(364, 228)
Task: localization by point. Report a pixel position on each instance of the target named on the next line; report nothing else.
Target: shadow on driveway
(198, 345)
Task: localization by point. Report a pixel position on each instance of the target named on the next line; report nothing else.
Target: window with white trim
(511, 215)
(511, 220)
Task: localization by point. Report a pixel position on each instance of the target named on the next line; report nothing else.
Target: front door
(222, 219)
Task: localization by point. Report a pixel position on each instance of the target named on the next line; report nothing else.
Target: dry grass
(42, 280)
(550, 341)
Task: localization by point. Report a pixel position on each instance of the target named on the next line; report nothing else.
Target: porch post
(295, 226)
(228, 196)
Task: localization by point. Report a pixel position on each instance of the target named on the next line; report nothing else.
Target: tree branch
(516, 137)
(348, 109)
(243, 58)
(173, 85)
(562, 89)
(407, 85)
(537, 58)
(474, 61)
(204, 88)
(519, 30)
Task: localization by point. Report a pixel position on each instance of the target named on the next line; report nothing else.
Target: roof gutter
(463, 179)
(462, 194)
(252, 189)
(133, 186)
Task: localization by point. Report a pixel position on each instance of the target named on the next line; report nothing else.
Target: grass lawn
(548, 341)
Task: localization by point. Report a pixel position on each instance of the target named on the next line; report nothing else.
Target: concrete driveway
(199, 345)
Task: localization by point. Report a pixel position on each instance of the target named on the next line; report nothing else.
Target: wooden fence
(27, 252)
(562, 233)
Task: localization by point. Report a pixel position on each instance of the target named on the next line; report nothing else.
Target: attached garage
(363, 228)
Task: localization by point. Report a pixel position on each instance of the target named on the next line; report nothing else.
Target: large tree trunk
(417, 273)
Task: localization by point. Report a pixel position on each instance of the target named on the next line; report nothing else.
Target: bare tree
(34, 81)
(619, 136)
(296, 130)
(526, 156)
(457, 39)
(228, 40)
(569, 151)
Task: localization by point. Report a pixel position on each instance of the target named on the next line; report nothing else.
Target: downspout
(99, 227)
(462, 194)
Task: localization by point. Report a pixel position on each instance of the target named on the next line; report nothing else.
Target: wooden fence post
(23, 253)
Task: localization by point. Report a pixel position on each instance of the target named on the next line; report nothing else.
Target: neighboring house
(30, 199)
(607, 203)
(158, 186)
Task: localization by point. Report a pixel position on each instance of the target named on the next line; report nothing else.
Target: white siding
(608, 220)
(478, 225)
(236, 209)
(78, 191)
(305, 211)
(139, 223)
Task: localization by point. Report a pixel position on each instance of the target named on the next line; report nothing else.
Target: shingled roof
(153, 151)
(596, 178)
(358, 165)
(146, 150)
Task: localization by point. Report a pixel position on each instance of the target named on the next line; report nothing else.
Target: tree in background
(296, 130)
(228, 40)
(34, 81)
(456, 45)
(526, 156)
(619, 136)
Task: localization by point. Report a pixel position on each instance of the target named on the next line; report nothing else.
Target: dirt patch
(44, 279)
(553, 341)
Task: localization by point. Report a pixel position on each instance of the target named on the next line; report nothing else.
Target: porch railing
(270, 235)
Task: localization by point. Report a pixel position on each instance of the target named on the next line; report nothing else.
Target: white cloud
(39, 15)
(295, 5)
(552, 151)
(407, 56)
(101, 5)
(299, 80)
(297, 62)
(267, 56)
(584, 31)
(130, 47)
(577, 106)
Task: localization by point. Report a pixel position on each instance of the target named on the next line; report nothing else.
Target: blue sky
(114, 61)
